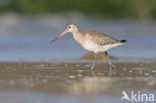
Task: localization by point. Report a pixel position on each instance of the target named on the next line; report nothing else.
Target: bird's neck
(75, 32)
(78, 37)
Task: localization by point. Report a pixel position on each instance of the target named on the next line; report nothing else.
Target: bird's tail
(123, 41)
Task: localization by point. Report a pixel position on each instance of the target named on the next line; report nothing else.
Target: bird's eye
(69, 27)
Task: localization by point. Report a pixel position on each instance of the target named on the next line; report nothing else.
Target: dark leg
(110, 64)
(93, 66)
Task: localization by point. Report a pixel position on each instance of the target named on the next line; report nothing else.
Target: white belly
(91, 46)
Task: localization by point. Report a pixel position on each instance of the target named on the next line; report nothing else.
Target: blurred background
(27, 26)
(110, 9)
(34, 71)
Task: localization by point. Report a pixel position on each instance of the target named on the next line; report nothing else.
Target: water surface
(73, 82)
(27, 38)
(34, 71)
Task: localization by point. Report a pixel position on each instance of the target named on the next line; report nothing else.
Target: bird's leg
(110, 64)
(92, 67)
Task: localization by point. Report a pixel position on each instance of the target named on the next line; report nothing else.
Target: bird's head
(70, 28)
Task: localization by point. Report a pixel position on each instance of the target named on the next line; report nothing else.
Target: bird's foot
(110, 71)
(112, 68)
(92, 71)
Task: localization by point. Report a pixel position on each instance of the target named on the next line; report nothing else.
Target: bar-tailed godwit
(92, 41)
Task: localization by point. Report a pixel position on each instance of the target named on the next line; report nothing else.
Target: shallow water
(26, 38)
(73, 82)
(60, 76)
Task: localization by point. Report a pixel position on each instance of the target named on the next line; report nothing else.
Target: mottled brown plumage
(100, 38)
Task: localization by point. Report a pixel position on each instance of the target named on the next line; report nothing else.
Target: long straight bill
(58, 37)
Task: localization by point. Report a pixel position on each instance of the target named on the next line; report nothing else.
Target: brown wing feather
(100, 38)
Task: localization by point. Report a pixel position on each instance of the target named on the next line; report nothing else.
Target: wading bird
(92, 41)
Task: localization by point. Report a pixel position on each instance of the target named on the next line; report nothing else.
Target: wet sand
(47, 82)
(27, 39)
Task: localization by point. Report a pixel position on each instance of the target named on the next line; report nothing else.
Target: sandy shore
(74, 79)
